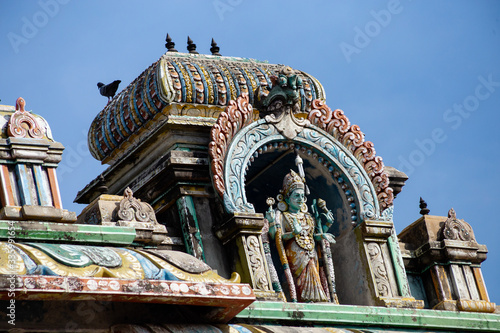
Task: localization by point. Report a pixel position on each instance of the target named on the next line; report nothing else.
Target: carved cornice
(338, 125)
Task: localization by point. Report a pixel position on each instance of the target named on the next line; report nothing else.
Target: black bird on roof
(108, 90)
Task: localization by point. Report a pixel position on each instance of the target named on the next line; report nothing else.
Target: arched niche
(264, 179)
(259, 157)
(249, 159)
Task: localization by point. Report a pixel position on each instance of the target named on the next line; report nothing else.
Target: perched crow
(108, 90)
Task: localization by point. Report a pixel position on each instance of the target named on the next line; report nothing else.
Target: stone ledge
(220, 301)
(368, 317)
(37, 213)
(67, 233)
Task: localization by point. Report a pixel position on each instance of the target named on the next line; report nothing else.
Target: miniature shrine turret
(28, 168)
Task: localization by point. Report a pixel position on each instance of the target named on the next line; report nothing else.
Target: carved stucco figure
(300, 239)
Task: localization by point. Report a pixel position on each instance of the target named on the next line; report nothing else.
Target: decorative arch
(337, 125)
(237, 140)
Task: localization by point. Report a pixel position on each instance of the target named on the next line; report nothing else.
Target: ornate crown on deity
(291, 182)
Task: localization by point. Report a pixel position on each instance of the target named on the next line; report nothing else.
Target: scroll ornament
(131, 209)
(338, 125)
(456, 229)
(22, 124)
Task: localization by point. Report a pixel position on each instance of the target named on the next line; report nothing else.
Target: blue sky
(421, 79)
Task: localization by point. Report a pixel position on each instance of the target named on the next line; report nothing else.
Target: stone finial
(191, 46)
(102, 188)
(423, 207)
(20, 103)
(169, 44)
(452, 214)
(215, 49)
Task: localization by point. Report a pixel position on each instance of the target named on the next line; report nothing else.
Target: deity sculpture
(285, 91)
(301, 239)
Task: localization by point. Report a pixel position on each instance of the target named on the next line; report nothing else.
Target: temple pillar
(370, 270)
(380, 254)
(241, 235)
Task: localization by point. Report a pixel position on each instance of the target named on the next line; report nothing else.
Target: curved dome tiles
(178, 78)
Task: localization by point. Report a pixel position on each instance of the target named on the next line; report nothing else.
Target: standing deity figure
(301, 238)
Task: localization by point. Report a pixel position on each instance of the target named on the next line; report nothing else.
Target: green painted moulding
(365, 316)
(68, 233)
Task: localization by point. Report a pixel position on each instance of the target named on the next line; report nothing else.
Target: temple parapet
(443, 262)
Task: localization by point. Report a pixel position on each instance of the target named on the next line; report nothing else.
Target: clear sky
(421, 79)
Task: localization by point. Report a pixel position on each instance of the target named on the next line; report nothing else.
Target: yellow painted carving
(165, 82)
(252, 80)
(132, 101)
(145, 88)
(209, 276)
(189, 88)
(209, 85)
(13, 266)
(228, 75)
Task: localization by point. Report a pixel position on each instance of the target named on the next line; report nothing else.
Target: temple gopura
(235, 200)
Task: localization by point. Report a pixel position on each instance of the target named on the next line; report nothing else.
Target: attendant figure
(302, 236)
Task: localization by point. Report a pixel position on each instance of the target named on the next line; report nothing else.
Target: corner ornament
(456, 229)
(22, 124)
(132, 210)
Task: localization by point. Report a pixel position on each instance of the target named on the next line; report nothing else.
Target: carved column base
(466, 305)
(270, 296)
(241, 234)
(401, 302)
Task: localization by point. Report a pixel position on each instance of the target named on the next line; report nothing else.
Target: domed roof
(179, 78)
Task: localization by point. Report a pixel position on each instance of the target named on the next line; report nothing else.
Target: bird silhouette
(108, 90)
